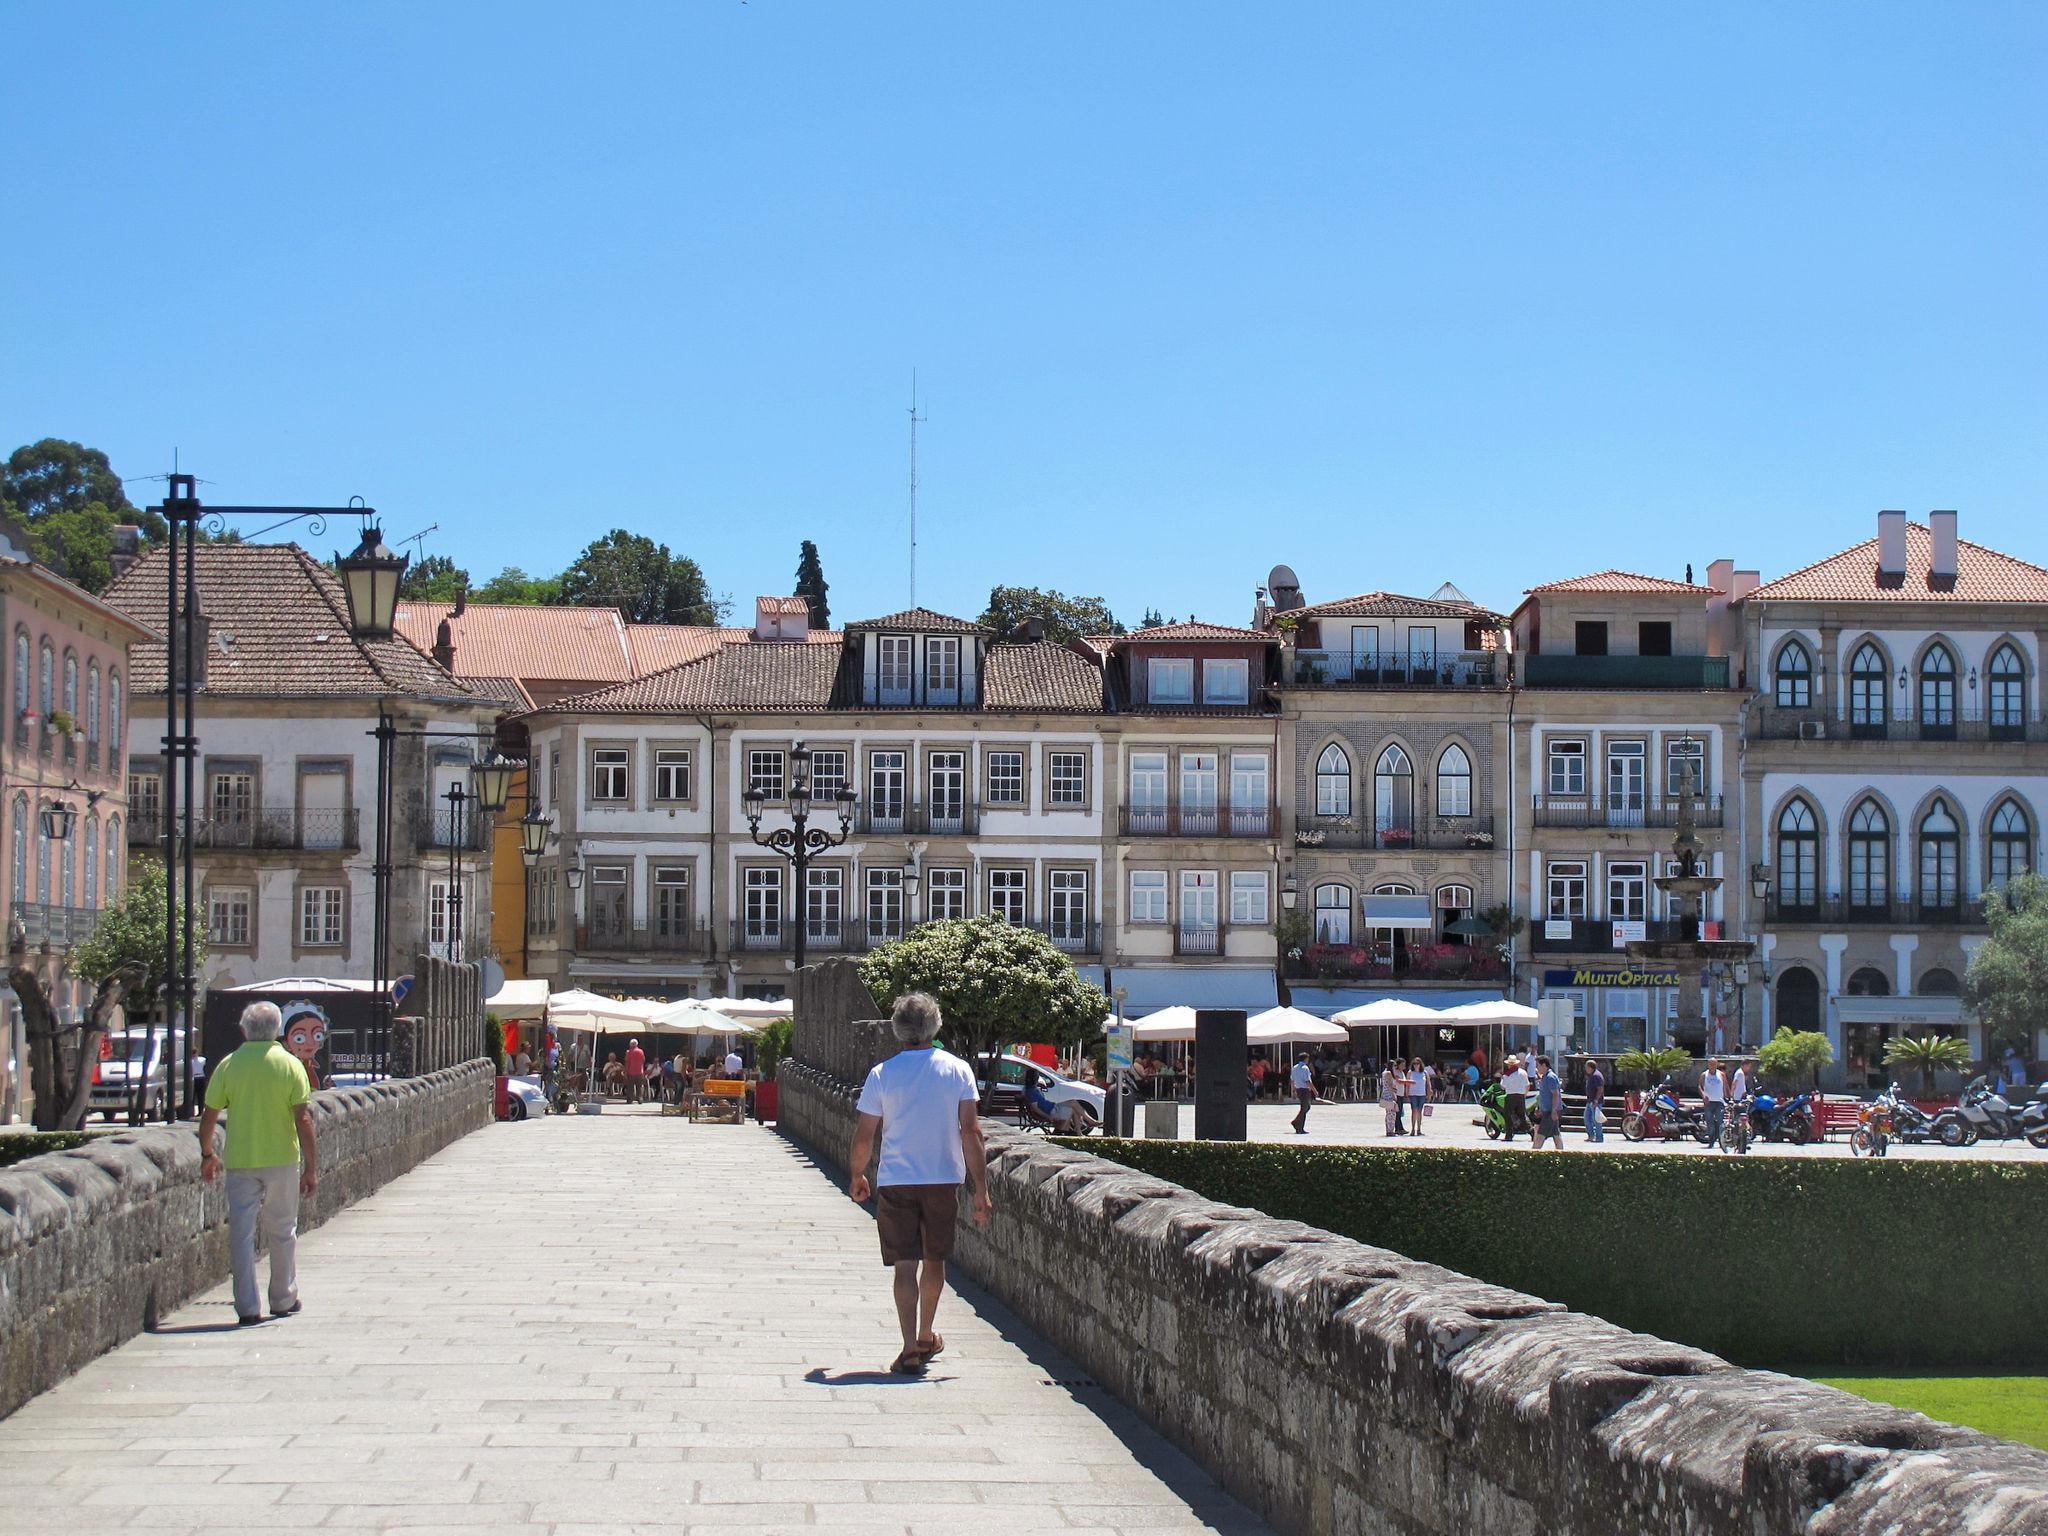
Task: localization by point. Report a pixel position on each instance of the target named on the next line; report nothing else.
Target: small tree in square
(2007, 986)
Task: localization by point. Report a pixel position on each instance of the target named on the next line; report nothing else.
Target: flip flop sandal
(926, 1356)
(910, 1363)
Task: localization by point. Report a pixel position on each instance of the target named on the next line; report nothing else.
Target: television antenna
(915, 419)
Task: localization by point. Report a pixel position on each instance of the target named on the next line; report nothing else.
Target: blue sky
(1493, 294)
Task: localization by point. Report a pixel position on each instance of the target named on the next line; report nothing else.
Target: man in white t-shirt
(1303, 1081)
(922, 1107)
(733, 1065)
(1714, 1094)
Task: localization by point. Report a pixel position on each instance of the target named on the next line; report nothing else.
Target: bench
(722, 1101)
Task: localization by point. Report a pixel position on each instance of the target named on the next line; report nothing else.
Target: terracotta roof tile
(754, 676)
(782, 607)
(1625, 581)
(920, 621)
(526, 640)
(1378, 605)
(1194, 629)
(508, 691)
(279, 629)
(1042, 676)
(1982, 576)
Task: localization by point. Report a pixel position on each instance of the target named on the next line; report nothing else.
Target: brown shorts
(916, 1221)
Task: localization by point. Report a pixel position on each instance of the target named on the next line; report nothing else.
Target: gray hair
(916, 1020)
(262, 1021)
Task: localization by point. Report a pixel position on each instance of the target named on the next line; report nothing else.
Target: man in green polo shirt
(270, 1161)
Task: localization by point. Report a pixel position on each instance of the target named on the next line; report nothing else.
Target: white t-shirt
(1712, 1088)
(733, 1064)
(1740, 1087)
(1301, 1077)
(1516, 1081)
(918, 1095)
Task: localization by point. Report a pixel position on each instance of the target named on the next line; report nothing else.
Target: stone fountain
(1689, 954)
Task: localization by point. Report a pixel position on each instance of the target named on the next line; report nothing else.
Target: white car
(113, 1084)
(1019, 1077)
(524, 1099)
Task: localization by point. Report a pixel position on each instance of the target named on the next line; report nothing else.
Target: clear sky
(1395, 294)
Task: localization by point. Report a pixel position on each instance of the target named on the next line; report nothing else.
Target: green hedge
(1767, 1261)
(20, 1146)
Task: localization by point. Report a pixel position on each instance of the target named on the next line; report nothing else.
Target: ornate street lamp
(1760, 881)
(370, 577)
(493, 780)
(799, 842)
(534, 832)
(58, 819)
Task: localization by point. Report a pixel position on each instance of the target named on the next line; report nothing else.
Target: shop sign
(1609, 976)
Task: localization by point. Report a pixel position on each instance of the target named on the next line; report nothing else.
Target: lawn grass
(2015, 1407)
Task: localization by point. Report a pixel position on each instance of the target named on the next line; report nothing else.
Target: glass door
(1626, 786)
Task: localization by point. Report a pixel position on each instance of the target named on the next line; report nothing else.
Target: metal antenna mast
(914, 420)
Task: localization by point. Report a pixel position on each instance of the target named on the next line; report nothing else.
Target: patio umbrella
(1290, 1026)
(1388, 1011)
(595, 1015)
(1495, 1010)
(1469, 928)
(752, 1010)
(520, 999)
(694, 1016)
(1177, 1023)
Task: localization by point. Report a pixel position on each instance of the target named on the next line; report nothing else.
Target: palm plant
(1927, 1055)
(1652, 1065)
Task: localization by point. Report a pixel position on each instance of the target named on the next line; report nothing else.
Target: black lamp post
(799, 842)
(58, 820)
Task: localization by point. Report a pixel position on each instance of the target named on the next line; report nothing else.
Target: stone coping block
(97, 1242)
(1337, 1387)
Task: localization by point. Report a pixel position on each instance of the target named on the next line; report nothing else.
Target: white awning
(1945, 1012)
(526, 999)
(1398, 912)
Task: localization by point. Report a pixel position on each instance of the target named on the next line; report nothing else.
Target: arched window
(46, 682)
(71, 685)
(2012, 844)
(115, 719)
(92, 710)
(1938, 983)
(1798, 858)
(1333, 782)
(1941, 846)
(1333, 914)
(1454, 782)
(1393, 798)
(92, 861)
(1453, 903)
(1794, 676)
(1869, 982)
(1870, 858)
(20, 847)
(1798, 1002)
(21, 672)
(1869, 691)
(42, 862)
(2006, 677)
(67, 871)
(113, 888)
(1938, 694)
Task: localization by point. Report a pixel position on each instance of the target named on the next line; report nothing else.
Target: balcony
(849, 936)
(1198, 940)
(895, 819)
(1447, 669)
(59, 927)
(1541, 671)
(1595, 935)
(1580, 814)
(1439, 832)
(1770, 723)
(257, 829)
(437, 828)
(1197, 821)
(1406, 962)
(1898, 912)
(605, 937)
(1075, 937)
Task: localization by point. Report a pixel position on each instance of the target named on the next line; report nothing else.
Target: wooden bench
(722, 1101)
(1831, 1115)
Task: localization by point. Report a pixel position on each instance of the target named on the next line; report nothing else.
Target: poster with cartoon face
(305, 1036)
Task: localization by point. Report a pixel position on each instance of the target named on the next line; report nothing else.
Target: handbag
(1429, 1109)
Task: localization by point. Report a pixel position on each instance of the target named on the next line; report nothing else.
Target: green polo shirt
(259, 1086)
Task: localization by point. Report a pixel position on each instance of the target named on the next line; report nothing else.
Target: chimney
(461, 604)
(127, 548)
(1941, 568)
(1891, 548)
(444, 646)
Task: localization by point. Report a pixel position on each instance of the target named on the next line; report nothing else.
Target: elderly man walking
(271, 1160)
(922, 1107)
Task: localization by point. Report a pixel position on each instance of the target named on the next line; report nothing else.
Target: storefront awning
(1332, 1000)
(1195, 986)
(1946, 1012)
(1398, 912)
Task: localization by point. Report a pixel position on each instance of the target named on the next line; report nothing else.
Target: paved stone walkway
(596, 1324)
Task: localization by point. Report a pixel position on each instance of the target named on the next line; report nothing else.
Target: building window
(1147, 808)
(1148, 895)
(1627, 792)
(1009, 893)
(1568, 769)
(1067, 774)
(1067, 911)
(113, 887)
(945, 894)
(885, 904)
(1798, 857)
(1628, 892)
(1171, 680)
(610, 773)
(824, 905)
(1333, 782)
(611, 908)
(1333, 914)
(1199, 917)
(1005, 772)
(1454, 902)
(1393, 794)
(671, 773)
(1938, 693)
(942, 670)
(231, 801)
(886, 776)
(68, 874)
(1870, 848)
(1869, 982)
(761, 911)
(71, 685)
(320, 916)
(92, 709)
(21, 674)
(1941, 844)
(19, 877)
(946, 773)
(446, 915)
(1564, 889)
(92, 862)
(2006, 676)
(1653, 637)
(1794, 676)
(2012, 845)
(1197, 793)
(1249, 791)
(893, 665)
(46, 691)
(764, 771)
(1453, 782)
(1226, 682)
(146, 797)
(227, 916)
(829, 773)
(1869, 691)
(672, 910)
(1683, 755)
(1248, 898)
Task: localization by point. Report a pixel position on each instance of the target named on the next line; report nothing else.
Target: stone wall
(98, 1242)
(1339, 1388)
(443, 1025)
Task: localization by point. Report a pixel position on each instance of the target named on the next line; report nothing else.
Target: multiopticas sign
(1609, 976)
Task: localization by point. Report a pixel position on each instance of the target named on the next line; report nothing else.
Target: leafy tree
(1152, 619)
(811, 585)
(1927, 1055)
(131, 932)
(436, 579)
(632, 573)
(512, 585)
(2007, 985)
(772, 1044)
(996, 983)
(77, 543)
(1795, 1055)
(58, 476)
(1065, 618)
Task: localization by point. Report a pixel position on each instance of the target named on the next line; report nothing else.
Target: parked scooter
(2034, 1118)
(1493, 1101)
(1775, 1119)
(1979, 1113)
(1662, 1115)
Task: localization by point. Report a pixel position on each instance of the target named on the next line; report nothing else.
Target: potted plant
(770, 1046)
(1478, 839)
(1795, 1055)
(1397, 837)
(1643, 1069)
(62, 723)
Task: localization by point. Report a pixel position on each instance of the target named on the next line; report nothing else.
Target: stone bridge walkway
(596, 1324)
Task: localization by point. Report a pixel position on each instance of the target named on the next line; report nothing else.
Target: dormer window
(1226, 682)
(942, 670)
(1172, 680)
(894, 669)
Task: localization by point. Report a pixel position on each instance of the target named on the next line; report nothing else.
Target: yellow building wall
(508, 884)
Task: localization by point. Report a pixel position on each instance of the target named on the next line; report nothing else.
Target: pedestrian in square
(1596, 1103)
(1714, 1095)
(1549, 1105)
(921, 1109)
(1303, 1080)
(1514, 1087)
(1418, 1094)
(636, 1072)
(271, 1160)
(1390, 1098)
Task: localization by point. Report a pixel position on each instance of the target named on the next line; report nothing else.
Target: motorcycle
(1775, 1119)
(2034, 1119)
(1662, 1115)
(1736, 1130)
(1979, 1113)
(1873, 1131)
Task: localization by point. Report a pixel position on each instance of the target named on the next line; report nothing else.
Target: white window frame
(1250, 898)
(323, 916)
(942, 669)
(883, 903)
(1226, 680)
(1003, 773)
(945, 893)
(1150, 895)
(1566, 774)
(611, 775)
(767, 769)
(674, 773)
(1170, 680)
(235, 902)
(1566, 889)
(668, 921)
(829, 770)
(1066, 779)
(1009, 893)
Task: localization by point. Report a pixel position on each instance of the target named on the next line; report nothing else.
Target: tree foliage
(996, 984)
(811, 585)
(513, 585)
(1065, 618)
(2007, 985)
(632, 573)
(1927, 1055)
(68, 501)
(1795, 1055)
(131, 933)
(436, 579)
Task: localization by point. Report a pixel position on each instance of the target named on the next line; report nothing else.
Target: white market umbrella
(1495, 1010)
(527, 999)
(1176, 1023)
(693, 1016)
(1293, 1026)
(751, 1010)
(578, 1009)
(1391, 1011)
